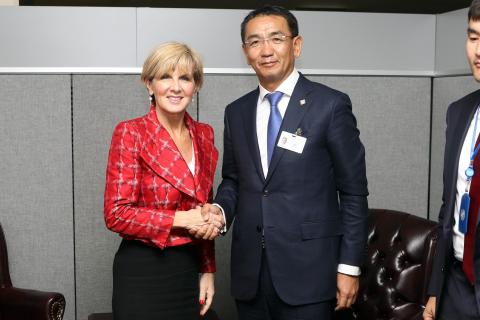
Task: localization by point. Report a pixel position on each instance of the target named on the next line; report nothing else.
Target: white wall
(450, 43)
(335, 42)
(67, 37)
(375, 43)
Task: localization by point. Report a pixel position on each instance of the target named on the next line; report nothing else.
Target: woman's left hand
(207, 290)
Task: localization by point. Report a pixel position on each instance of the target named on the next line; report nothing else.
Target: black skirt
(154, 284)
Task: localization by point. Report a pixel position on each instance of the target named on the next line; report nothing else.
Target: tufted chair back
(394, 282)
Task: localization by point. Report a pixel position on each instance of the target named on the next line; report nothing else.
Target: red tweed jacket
(147, 181)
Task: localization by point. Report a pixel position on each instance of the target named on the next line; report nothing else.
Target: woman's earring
(150, 97)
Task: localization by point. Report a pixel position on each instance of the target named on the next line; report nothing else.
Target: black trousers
(267, 305)
(458, 298)
(154, 284)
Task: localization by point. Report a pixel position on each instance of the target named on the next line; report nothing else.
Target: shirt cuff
(348, 269)
(224, 219)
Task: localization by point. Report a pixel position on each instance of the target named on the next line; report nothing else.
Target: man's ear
(297, 46)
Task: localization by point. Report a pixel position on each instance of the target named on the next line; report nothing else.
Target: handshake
(211, 224)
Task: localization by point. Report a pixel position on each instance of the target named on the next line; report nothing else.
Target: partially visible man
(294, 181)
(455, 280)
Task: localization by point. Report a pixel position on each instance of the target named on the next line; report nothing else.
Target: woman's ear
(148, 84)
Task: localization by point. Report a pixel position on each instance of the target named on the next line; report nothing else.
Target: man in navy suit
(294, 182)
(455, 281)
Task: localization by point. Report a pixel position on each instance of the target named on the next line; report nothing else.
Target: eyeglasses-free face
(473, 47)
(270, 49)
(173, 91)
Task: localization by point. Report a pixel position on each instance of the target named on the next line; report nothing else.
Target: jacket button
(259, 229)
(443, 269)
(265, 193)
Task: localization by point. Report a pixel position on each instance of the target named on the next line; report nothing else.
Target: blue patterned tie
(274, 122)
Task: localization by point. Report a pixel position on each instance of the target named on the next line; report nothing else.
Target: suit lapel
(161, 154)
(250, 124)
(460, 130)
(296, 109)
(462, 125)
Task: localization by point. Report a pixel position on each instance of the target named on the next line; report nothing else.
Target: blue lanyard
(473, 151)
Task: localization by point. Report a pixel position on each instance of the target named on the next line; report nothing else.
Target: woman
(160, 170)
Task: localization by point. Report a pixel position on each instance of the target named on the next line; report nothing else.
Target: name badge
(291, 142)
(463, 214)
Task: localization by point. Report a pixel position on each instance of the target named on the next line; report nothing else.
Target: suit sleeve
(124, 174)
(439, 258)
(348, 155)
(227, 192)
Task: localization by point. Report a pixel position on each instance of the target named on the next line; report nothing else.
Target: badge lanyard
(469, 172)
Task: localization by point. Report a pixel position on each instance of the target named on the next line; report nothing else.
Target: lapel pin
(302, 102)
(299, 132)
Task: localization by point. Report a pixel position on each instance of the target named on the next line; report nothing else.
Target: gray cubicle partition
(393, 115)
(53, 215)
(99, 103)
(36, 203)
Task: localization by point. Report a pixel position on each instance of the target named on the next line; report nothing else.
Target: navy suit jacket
(312, 207)
(459, 117)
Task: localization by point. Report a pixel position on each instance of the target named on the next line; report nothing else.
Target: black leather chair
(393, 284)
(23, 304)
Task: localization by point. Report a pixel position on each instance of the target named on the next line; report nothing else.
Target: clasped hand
(213, 223)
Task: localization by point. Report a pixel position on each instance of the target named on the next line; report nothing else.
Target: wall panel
(36, 182)
(99, 103)
(393, 115)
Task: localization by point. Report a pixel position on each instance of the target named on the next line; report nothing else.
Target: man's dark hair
(271, 11)
(474, 11)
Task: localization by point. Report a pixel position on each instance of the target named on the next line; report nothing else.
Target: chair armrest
(18, 303)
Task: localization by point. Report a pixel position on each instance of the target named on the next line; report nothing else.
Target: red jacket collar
(162, 155)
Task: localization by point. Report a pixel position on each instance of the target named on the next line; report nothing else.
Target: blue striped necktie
(274, 122)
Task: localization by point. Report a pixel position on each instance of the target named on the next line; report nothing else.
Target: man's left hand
(347, 289)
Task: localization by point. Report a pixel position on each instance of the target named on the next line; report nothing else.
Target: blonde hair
(169, 56)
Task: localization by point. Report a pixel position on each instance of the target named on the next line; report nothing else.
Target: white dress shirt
(463, 163)
(191, 163)
(263, 113)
